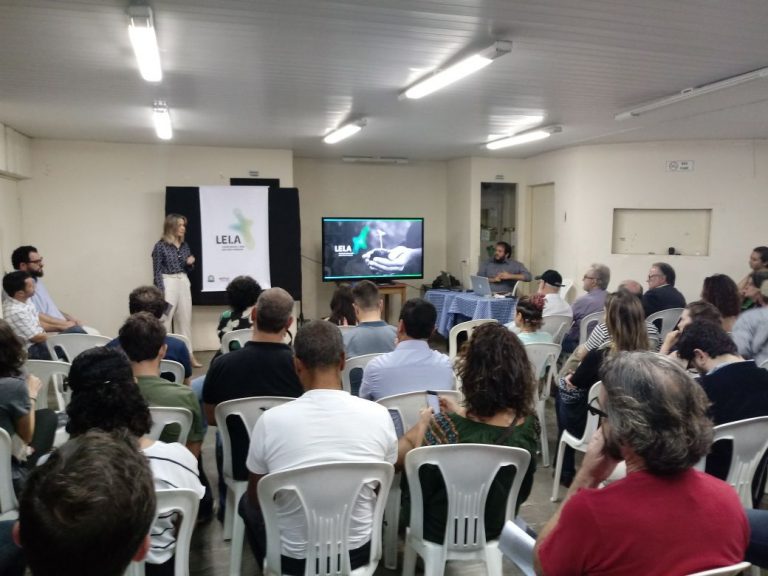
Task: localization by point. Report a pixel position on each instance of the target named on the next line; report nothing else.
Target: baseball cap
(551, 277)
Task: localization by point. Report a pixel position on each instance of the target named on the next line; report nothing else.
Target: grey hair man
(595, 284)
(654, 417)
(661, 293)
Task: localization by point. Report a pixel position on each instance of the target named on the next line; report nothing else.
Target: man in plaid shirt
(22, 315)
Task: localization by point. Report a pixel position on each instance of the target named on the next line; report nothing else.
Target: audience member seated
(758, 260)
(372, 335)
(88, 510)
(664, 516)
(549, 284)
(698, 310)
(595, 284)
(242, 293)
(721, 291)
(150, 299)
(750, 332)
(325, 424)
(21, 314)
(502, 271)
(18, 407)
(343, 307)
(412, 365)
(106, 398)
(499, 395)
(27, 259)
(661, 293)
(626, 327)
(528, 320)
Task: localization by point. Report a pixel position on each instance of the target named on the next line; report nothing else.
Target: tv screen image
(373, 248)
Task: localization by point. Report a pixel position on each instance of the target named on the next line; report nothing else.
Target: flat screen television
(378, 249)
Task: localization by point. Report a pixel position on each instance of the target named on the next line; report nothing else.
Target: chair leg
(558, 470)
(409, 558)
(493, 561)
(391, 521)
(434, 562)
(544, 440)
(236, 547)
(229, 514)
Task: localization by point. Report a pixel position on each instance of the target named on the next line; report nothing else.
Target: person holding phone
(172, 260)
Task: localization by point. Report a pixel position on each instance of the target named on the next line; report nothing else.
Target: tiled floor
(210, 554)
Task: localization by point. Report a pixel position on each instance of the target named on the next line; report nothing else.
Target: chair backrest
(543, 357)
(665, 320)
(588, 323)
(73, 344)
(750, 441)
(163, 416)
(7, 495)
(566, 288)
(764, 364)
(354, 363)
(557, 325)
(517, 545)
(184, 339)
(327, 512)
(175, 369)
(408, 405)
(48, 371)
(184, 502)
(592, 420)
(241, 336)
(468, 471)
(468, 327)
(725, 570)
(249, 410)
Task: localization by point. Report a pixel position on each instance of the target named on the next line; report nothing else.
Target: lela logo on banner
(359, 242)
(243, 237)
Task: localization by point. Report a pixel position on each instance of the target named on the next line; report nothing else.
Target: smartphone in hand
(433, 401)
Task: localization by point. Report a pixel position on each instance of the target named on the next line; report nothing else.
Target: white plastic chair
(176, 369)
(750, 441)
(163, 416)
(249, 410)
(543, 357)
(557, 325)
(185, 502)
(354, 363)
(517, 546)
(588, 323)
(327, 512)
(241, 336)
(8, 503)
(764, 364)
(407, 406)
(74, 344)
(468, 471)
(579, 444)
(668, 320)
(468, 327)
(565, 288)
(47, 371)
(726, 570)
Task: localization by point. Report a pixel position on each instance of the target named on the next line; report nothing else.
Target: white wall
(10, 221)
(94, 210)
(730, 177)
(335, 188)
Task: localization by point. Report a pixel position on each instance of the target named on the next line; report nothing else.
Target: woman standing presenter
(172, 260)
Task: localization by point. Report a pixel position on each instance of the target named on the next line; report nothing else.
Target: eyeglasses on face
(585, 277)
(38, 261)
(595, 411)
(654, 276)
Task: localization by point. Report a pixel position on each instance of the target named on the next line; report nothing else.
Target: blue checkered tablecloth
(453, 306)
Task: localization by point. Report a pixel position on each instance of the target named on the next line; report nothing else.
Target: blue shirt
(369, 338)
(43, 301)
(177, 351)
(590, 303)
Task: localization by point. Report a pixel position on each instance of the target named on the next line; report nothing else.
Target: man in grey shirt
(503, 272)
(371, 335)
(750, 332)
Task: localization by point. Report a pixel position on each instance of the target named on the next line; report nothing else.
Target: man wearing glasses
(595, 284)
(661, 293)
(664, 516)
(27, 259)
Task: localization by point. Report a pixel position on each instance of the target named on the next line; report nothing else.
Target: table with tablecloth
(454, 307)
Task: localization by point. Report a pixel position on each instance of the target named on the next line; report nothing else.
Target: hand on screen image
(397, 259)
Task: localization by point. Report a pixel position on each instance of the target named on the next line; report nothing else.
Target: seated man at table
(412, 365)
(372, 335)
(503, 272)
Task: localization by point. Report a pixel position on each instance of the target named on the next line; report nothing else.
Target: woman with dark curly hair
(528, 320)
(342, 307)
(723, 293)
(498, 408)
(242, 293)
(105, 396)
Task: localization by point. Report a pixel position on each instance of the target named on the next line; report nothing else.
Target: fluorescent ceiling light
(345, 131)
(375, 159)
(141, 30)
(524, 137)
(463, 68)
(689, 93)
(162, 118)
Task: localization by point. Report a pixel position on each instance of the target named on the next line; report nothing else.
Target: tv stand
(387, 290)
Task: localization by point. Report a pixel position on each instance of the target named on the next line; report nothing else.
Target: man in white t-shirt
(550, 283)
(322, 425)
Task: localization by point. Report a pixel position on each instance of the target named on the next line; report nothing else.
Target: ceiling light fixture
(524, 137)
(689, 93)
(375, 159)
(141, 29)
(162, 118)
(345, 131)
(443, 77)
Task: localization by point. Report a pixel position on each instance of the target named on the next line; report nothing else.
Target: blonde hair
(625, 320)
(170, 225)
